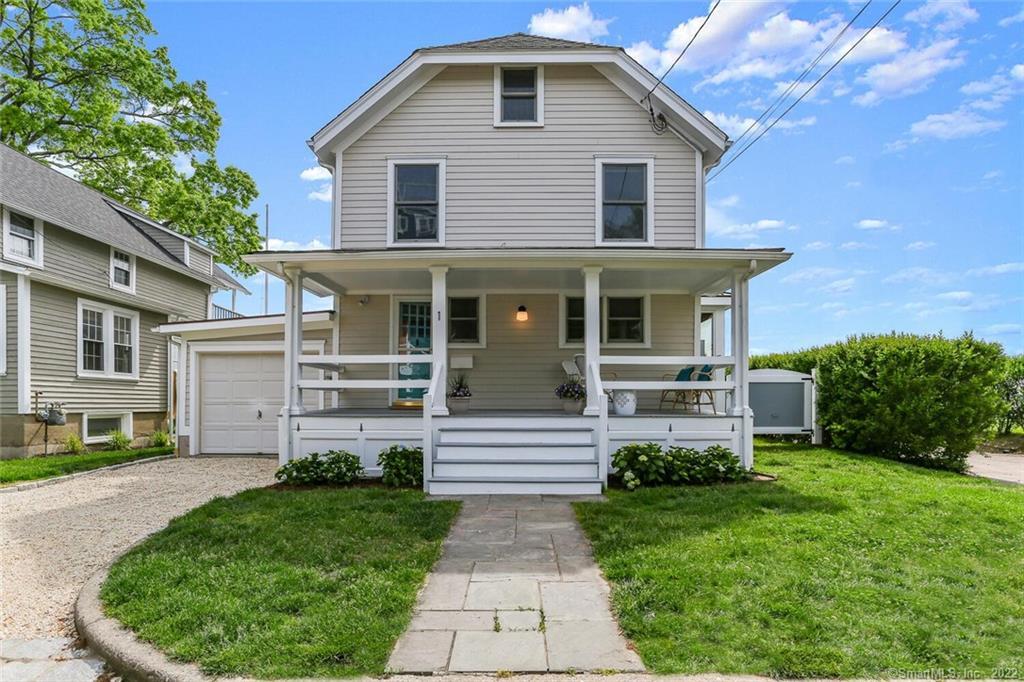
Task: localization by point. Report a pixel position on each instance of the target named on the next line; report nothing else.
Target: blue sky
(897, 183)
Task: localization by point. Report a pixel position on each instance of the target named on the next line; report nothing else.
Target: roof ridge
(499, 39)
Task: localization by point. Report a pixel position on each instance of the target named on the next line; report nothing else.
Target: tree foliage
(81, 91)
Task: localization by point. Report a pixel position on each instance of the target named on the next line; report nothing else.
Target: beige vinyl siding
(200, 261)
(517, 187)
(173, 245)
(82, 264)
(9, 381)
(55, 359)
(522, 363)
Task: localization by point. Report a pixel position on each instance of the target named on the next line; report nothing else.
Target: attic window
(22, 238)
(122, 271)
(519, 95)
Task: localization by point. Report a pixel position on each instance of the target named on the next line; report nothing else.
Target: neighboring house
(510, 210)
(83, 283)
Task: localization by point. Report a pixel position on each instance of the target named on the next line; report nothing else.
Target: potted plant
(573, 394)
(459, 394)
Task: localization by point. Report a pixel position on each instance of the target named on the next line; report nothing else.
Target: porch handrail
(679, 361)
(428, 427)
(594, 371)
(675, 360)
(336, 363)
(418, 359)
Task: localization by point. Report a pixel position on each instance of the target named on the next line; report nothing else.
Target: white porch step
(519, 469)
(513, 486)
(549, 435)
(510, 451)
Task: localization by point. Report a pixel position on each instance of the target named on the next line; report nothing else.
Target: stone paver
(46, 659)
(516, 590)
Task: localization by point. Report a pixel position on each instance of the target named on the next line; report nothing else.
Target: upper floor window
(625, 190)
(108, 341)
(23, 238)
(416, 202)
(518, 95)
(122, 271)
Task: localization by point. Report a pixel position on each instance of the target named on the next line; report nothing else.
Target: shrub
(921, 399)
(646, 464)
(118, 440)
(1011, 392)
(337, 467)
(73, 445)
(160, 439)
(401, 465)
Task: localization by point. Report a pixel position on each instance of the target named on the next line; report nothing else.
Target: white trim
(481, 314)
(395, 160)
(599, 161)
(3, 329)
(24, 344)
(336, 202)
(197, 348)
(240, 322)
(394, 301)
(539, 83)
(699, 200)
(605, 295)
(126, 425)
(130, 289)
(38, 239)
(108, 311)
(185, 255)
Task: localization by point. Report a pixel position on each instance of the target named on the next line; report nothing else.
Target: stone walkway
(46, 659)
(516, 590)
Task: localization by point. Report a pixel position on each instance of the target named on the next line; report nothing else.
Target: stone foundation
(22, 436)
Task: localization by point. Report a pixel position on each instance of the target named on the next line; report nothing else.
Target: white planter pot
(573, 406)
(458, 405)
(624, 402)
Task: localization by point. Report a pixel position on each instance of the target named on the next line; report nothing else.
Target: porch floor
(484, 413)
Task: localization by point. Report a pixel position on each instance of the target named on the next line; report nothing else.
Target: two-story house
(84, 282)
(513, 211)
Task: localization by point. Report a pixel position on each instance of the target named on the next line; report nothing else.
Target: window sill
(625, 243)
(468, 346)
(518, 124)
(107, 377)
(23, 261)
(414, 245)
(123, 289)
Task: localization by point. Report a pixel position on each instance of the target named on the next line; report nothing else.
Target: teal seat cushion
(685, 374)
(705, 373)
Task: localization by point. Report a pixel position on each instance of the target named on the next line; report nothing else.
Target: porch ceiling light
(521, 314)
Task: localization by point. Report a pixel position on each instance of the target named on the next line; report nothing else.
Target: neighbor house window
(518, 95)
(96, 427)
(416, 202)
(23, 238)
(122, 271)
(624, 320)
(625, 188)
(108, 341)
(466, 321)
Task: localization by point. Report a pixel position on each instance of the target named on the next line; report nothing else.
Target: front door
(413, 339)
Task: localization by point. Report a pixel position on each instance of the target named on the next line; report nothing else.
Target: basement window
(96, 427)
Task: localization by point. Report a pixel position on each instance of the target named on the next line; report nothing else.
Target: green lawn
(846, 566)
(283, 583)
(35, 468)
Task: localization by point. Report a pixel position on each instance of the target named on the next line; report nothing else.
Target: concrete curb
(78, 474)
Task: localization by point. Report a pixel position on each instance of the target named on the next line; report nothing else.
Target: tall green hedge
(922, 399)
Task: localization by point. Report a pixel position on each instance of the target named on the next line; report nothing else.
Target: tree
(80, 91)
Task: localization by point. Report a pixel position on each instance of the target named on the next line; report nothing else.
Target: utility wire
(806, 92)
(659, 127)
(821, 55)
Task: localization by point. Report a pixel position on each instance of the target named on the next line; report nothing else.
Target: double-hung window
(416, 202)
(624, 321)
(518, 95)
(122, 271)
(23, 238)
(625, 189)
(466, 322)
(108, 341)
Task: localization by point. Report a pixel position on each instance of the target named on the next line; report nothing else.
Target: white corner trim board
(24, 344)
(3, 329)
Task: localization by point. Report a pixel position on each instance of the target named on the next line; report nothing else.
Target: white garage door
(240, 396)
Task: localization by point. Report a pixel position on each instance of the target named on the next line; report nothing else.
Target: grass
(846, 566)
(283, 582)
(36, 468)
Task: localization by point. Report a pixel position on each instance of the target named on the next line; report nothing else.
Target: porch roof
(348, 271)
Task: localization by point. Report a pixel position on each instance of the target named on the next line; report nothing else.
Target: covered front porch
(627, 321)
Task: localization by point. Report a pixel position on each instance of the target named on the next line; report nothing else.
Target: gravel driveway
(54, 537)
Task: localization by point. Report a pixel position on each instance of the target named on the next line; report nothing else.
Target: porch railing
(428, 427)
(594, 371)
(337, 363)
(219, 312)
(680, 361)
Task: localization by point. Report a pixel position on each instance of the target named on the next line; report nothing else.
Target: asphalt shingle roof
(515, 41)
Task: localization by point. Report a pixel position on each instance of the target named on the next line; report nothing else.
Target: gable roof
(611, 61)
(43, 192)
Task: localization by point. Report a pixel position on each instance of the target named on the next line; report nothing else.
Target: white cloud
(996, 90)
(955, 296)
(816, 246)
(274, 244)
(856, 246)
(839, 286)
(1012, 19)
(918, 246)
(315, 173)
(575, 22)
(323, 193)
(955, 125)
(918, 275)
(1005, 328)
(732, 125)
(854, 184)
(729, 201)
(789, 124)
(910, 72)
(953, 14)
(875, 224)
(845, 161)
(811, 274)
(183, 164)
(1017, 72)
(992, 175)
(1001, 269)
(746, 230)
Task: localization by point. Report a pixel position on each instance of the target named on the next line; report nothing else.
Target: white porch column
(293, 340)
(592, 333)
(740, 350)
(439, 335)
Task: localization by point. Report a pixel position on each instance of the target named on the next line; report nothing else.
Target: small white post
(293, 345)
(740, 345)
(439, 335)
(592, 333)
(718, 349)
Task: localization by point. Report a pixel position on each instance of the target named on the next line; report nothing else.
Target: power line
(659, 127)
(807, 91)
(821, 55)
